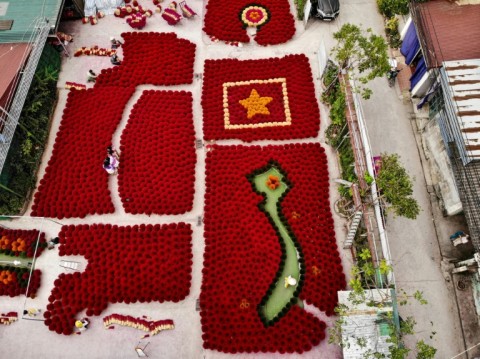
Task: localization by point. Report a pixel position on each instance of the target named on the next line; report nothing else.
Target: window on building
(6, 25)
(436, 103)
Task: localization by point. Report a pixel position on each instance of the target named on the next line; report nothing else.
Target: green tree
(390, 8)
(362, 53)
(18, 175)
(396, 188)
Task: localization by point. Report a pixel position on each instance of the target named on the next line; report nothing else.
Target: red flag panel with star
(259, 99)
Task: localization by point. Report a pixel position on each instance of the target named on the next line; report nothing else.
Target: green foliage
(391, 25)
(337, 130)
(365, 254)
(419, 297)
(29, 140)
(335, 331)
(393, 36)
(345, 192)
(397, 352)
(337, 111)
(27, 146)
(330, 80)
(334, 95)
(331, 74)
(364, 273)
(361, 342)
(334, 135)
(363, 51)
(396, 187)
(347, 162)
(425, 351)
(390, 8)
(384, 267)
(300, 5)
(407, 327)
(368, 179)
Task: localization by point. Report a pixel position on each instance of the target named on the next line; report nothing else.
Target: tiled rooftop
(450, 31)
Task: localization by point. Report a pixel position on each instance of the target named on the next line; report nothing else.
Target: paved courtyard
(30, 338)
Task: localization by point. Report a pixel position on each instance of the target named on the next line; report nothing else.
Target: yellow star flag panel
(255, 104)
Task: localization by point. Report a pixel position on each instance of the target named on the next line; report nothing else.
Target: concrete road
(413, 243)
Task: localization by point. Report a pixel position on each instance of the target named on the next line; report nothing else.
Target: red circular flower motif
(254, 16)
(223, 22)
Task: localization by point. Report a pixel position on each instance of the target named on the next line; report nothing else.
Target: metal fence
(11, 116)
(373, 221)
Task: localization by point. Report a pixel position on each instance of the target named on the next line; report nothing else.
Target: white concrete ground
(31, 339)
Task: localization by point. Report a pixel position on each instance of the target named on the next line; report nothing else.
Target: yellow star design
(255, 104)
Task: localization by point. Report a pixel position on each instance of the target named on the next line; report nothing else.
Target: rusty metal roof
(463, 78)
(448, 31)
(12, 59)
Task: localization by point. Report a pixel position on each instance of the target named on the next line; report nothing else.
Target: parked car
(326, 10)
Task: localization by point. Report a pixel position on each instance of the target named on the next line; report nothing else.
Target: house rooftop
(447, 31)
(12, 59)
(365, 328)
(19, 18)
(462, 80)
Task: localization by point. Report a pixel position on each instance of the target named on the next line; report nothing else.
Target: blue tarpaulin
(420, 70)
(410, 44)
(428, 95)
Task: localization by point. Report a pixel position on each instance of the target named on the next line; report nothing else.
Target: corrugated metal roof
(463, 78)
(450, 31)
(24, 14)
(362, 329)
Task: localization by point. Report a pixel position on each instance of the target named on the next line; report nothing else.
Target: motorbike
(392, 73)
(391, 76)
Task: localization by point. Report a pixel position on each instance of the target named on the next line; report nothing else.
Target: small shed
(365, 327)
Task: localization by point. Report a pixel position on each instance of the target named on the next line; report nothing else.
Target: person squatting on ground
(110, 164)
(91, 76)
(115, 60)
(112, 161)
(52, 242)
(82, 324)
(112, 152)
(115, 43)
(31, 312)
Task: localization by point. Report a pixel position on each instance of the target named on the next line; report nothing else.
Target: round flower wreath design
(254, 15)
